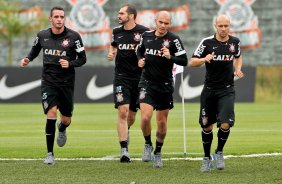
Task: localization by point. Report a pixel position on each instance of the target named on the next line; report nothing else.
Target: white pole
(183, 118)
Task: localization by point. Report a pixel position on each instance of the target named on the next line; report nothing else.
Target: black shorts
(151, 94)
(126, 92)
(217, 106)
(60, 96)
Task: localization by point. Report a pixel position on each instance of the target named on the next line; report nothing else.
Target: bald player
(157, 52)
(223, 61)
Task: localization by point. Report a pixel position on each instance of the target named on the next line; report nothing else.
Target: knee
(225, 126)
(123, 113)
(65, 120)
(146, 119)
(52, 113)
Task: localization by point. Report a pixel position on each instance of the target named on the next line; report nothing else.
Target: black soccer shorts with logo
(126, 92)
(156, 94)
(217, 105)
(60, 96)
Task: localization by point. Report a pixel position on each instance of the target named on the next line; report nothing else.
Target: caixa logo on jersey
(89, 19)
(244, 24)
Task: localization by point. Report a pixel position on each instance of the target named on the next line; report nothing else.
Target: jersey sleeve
(36, 48)
(113, 42)
(80, 52)
(238, 54)
(200, 52)
(180, 56)
(140, 48)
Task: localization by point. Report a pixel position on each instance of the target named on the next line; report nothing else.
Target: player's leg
(50, 130)
(49, 102)
(226, 119)
(146, 102)
(66, 109)
(122, 101)
(122, 128)
(206, 119)
(146, 127)
(161, 118)
(164, 102)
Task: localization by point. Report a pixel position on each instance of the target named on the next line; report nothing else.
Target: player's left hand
(166, 52)
(64, 63)
(238, 73)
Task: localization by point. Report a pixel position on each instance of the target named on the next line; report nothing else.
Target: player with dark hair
(157, 53)
(62, 51)
(127, 73)
(222, 57)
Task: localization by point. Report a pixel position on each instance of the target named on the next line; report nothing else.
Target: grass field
(257, 130)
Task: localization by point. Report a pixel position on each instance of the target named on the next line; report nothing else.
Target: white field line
(111, 158)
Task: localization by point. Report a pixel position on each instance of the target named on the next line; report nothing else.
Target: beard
(122, 22)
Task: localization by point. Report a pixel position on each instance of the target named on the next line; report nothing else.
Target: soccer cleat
(158, 162)
(147, 153)
(124, 155)
(62, 137)
(206, 165)
(219, 160)
(50, 159)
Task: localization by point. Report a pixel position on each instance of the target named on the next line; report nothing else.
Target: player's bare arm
(238, 65)
(197, 62)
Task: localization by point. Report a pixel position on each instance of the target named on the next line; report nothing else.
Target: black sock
(62, 127)
(158, 149)
(207, 141)
(123, 144)
(148, 140)
(50, 130)
(222, 135)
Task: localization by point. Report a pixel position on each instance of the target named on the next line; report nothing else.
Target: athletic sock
(50, 130)
(62, 127)
(158, 148)
(207, 141)
(148, 140)
(123, 144)
(222, 135)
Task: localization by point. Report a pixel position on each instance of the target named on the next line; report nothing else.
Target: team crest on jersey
(66, 43)
(137, 37)
(119, 97)
(166, 43)
(232, 47)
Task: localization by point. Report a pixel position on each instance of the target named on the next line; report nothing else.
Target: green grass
(93, 133)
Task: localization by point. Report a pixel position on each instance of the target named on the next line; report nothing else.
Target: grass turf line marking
(111, 158)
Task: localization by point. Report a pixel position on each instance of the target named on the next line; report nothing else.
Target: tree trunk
(10, 53)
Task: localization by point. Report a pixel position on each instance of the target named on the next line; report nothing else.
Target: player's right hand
(209, 57)
(24, 62)
(141, 62)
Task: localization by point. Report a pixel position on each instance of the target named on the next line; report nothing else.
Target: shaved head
(162, 14)
(221, 18)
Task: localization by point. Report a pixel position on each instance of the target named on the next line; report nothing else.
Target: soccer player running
(127, 73)
(222, 57)
(62, 51)
(157, 52)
